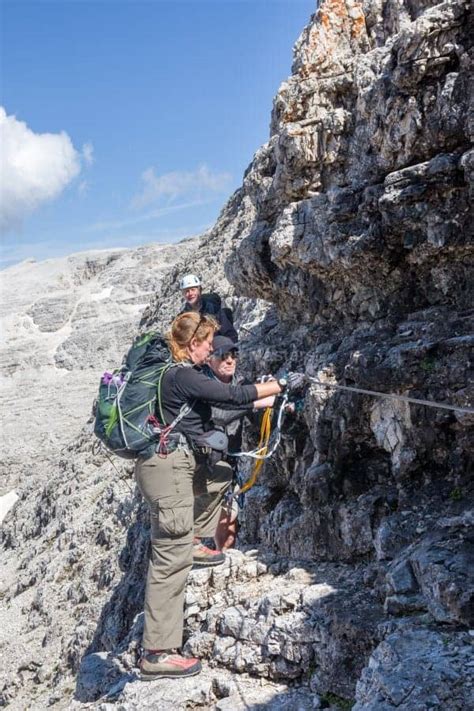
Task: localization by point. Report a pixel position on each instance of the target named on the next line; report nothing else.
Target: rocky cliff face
(347, 252)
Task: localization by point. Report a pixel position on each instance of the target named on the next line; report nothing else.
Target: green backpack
(125, 408)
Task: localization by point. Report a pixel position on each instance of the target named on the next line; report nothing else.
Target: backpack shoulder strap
(185, 408)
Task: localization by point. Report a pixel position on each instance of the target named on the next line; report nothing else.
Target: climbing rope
(264, 450)
(391, 396)
(265, 431)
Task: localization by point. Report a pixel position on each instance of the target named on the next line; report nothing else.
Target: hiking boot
(202, 555)
(158, 665)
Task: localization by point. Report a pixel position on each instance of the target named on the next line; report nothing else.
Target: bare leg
(226, 531)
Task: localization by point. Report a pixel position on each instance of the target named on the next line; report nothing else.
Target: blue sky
(153, 109)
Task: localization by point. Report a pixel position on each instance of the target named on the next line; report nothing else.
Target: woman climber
(181, 512)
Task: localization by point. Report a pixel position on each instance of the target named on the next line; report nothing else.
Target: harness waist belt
(176, 440)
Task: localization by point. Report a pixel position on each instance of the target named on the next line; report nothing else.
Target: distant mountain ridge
(63, 321)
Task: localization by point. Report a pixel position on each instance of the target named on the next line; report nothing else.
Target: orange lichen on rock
(358, 22)
(338, 20)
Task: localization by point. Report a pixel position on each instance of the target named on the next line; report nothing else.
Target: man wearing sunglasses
(207, 304)
(223, 360)
(222, 366)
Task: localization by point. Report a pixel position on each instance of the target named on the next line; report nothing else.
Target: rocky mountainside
(64, 321)
(347, 253)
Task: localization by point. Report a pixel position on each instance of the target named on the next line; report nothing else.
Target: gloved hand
(296, 381)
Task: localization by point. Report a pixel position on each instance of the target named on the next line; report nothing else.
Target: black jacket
(229, 417)
(212, 306)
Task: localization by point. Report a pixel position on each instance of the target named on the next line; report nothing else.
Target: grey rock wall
(346, 254)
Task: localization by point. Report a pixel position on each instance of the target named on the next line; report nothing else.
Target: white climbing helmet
(188, 281)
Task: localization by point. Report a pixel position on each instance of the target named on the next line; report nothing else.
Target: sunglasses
(202, 320)
(230, 354)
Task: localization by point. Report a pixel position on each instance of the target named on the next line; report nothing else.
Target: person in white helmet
(190, 286)
(207, 304)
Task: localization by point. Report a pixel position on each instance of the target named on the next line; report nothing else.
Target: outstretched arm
(264, 402)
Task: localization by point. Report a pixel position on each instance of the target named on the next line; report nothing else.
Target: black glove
(296, 381)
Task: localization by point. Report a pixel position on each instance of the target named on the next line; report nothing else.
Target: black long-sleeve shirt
(185, 384)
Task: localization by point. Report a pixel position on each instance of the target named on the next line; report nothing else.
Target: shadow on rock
(102, 675)
(109, 660)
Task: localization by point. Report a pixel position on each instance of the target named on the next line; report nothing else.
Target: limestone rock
(346, 254)
(64, 321)
(415, 667)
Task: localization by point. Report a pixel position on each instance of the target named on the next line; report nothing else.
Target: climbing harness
(163, 431)
(264, 450)
(391, 396)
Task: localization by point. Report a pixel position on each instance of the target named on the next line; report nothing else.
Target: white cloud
(83, 187)
(198, 184)
(88, 153)
(153, 215)
(35, 168)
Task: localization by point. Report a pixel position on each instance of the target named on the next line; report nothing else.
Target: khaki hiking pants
(185, 500)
